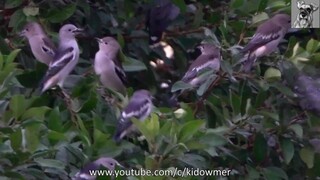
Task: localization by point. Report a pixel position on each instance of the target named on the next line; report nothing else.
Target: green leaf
(133, 65)
(56, 136)
(260, 148)
(90, 104)
(272, 74)
(262, 5)
(60, 14)
(84, 131)
(274, 173)
(54, 120)
(209, 80)
(35, 112)
(11, 57)
(12, 4)
(260, 17)
(1, 60)
(31, 10)
(120, 39)
(153, 125)
(312, 46)
(189, 129)
(143, 129)
(32, 133)
(237, 3)
(194, 160)
(17, 105)
(287, 149)
(297, 129)
(16, 140)
(181, 4)
(16, 19)
(307, 156)
(213, 140)
(50, 163)
(179, 85)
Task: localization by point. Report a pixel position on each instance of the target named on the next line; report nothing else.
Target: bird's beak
(99, 40)
(22, 33)
(118, 164)
(78, 30)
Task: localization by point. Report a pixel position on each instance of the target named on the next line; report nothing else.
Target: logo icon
(305, 14)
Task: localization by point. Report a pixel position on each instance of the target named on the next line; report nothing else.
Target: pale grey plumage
(41, 45)
(84, 173)
(107, 65)
(209, 59)
(65, 59)
(140, 107)
(266, 39)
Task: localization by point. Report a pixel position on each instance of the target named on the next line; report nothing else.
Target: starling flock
(63, 59)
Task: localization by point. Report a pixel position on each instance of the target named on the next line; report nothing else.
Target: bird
(41, 45)
(108, 67)
(265, 40)
(158, 18)
(209, 59)
(65, 59)
(86, 173)
(139, 107)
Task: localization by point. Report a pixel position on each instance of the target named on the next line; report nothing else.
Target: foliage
(252, 124)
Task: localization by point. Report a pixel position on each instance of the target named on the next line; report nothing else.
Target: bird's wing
(137, 108)
(202, 63)
(48, 46)
(121, 74)
(61, 59)
(263, 35)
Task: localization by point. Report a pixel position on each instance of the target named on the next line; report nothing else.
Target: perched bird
(308, 90)
(266, 39)
(140, 106)
(107, 65)
(41, 45)
(84, 173)
(159, 17)
(209, 59)
(65, 59)
(306, 87)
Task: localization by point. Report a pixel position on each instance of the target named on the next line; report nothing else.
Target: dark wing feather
(264, 35)
(61, 59)
(49, 47)
(135, 109)
(199, 65)
(121, 74)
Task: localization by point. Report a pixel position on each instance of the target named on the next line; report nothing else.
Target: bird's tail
(247, 62)
(117, 136)
(121, 131)
(173, 101)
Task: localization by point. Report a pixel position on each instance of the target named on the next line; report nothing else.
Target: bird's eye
(69, 29)
(111, 164)
(105, 42)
